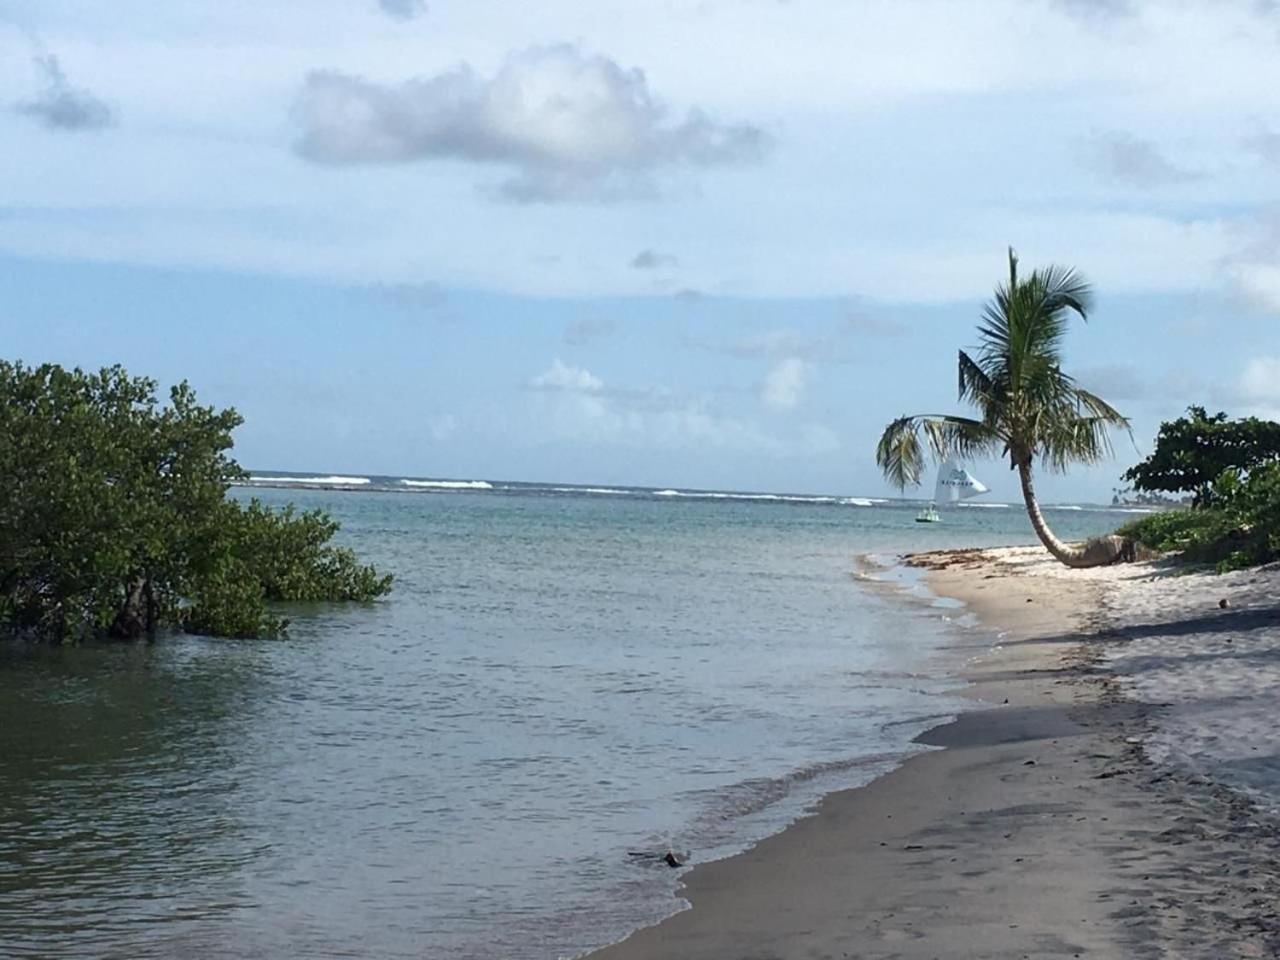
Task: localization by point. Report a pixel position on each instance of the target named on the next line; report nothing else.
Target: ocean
(565, 684)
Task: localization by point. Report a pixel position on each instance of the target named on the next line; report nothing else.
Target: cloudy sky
(712, 243)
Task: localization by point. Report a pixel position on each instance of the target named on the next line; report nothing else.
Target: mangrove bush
(115, 519)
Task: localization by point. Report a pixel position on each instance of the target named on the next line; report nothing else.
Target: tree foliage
(114, 518)
(1239, 528)
(1192, 452)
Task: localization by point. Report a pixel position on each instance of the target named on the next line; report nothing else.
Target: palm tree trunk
(1098, 552)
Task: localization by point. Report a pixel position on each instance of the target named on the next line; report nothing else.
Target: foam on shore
(335, 481)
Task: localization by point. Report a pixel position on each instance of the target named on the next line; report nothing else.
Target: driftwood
(648, 857)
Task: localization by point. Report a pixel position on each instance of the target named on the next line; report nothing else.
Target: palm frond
(1098, 407)
(1053, 293)
(1066, 289)
(1045, 388)
(994, 331)
(1074, 439)
(1095, 406)
(976, 387)
(1023, 325)
(900, 453)
(994, 334)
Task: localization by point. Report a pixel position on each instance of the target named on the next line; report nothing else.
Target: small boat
(928, 515)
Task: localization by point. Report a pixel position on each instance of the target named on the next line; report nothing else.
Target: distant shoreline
(1043, 826)
(390, 484)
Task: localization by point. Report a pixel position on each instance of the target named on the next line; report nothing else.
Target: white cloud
(577, 407)
(860, 121)
(60, 106)
(562, 376)
(784, 384)
(574, 126)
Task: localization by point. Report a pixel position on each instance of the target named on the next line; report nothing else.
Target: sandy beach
(1110, 794)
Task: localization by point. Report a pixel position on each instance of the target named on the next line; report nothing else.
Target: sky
(697, 243)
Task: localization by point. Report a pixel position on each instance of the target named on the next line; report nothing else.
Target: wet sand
(1045, 828)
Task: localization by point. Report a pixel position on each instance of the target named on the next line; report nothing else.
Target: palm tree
(1027, 407)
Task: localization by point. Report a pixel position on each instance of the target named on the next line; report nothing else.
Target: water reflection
(117, 795)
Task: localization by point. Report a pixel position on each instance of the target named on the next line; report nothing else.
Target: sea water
(565, 684)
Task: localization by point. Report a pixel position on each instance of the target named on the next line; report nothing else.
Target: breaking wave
(328, 481)
(449, 484)
(393, 483)
(770, 497)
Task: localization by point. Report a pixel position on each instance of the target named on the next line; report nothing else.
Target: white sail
(955, 483)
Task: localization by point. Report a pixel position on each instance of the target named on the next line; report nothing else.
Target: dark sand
(1039, 831)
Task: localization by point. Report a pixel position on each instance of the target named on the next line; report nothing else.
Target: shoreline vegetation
(1093, 801)
(1230, 470)
(115, 520)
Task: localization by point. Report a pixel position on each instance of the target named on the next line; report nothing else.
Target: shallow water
(558, 680)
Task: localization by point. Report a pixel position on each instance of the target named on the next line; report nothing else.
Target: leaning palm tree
(1027, 408)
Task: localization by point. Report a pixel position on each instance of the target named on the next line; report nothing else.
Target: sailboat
(955, 483)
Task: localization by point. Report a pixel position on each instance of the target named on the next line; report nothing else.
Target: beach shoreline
(1042, 828)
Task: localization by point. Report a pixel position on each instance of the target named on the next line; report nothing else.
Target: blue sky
(712, 243)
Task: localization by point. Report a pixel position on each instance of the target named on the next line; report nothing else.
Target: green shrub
(1241, 529)
(114, 518)
(1175, 529)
